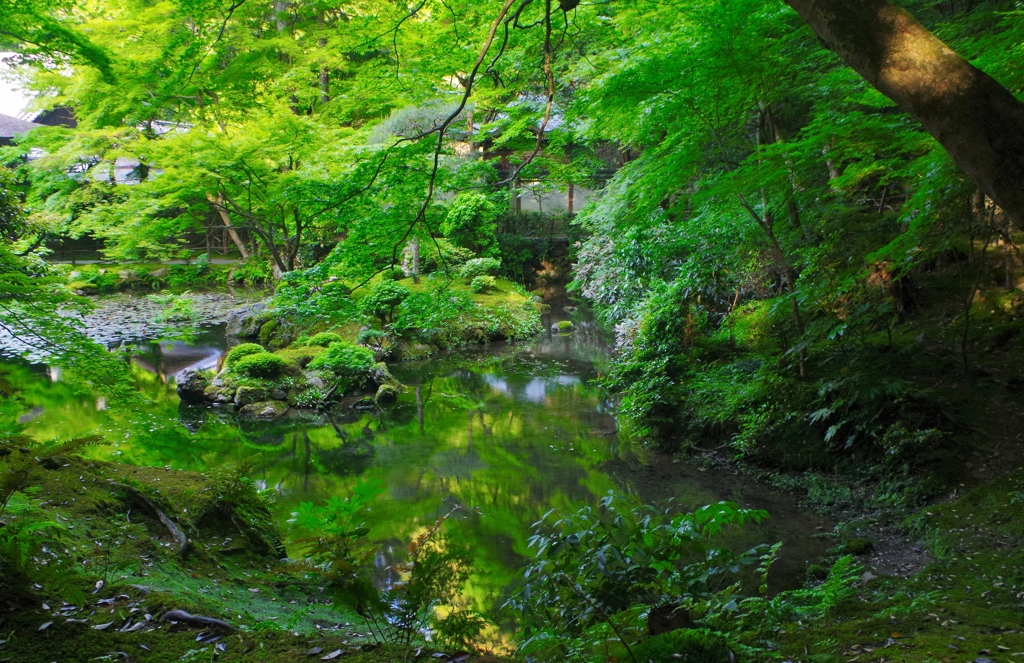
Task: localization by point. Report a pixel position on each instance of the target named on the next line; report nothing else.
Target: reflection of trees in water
(354, 456)
(348, 459)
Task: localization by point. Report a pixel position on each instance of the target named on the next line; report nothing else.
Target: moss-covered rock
(243, 322)
(411, 351)
(267, 331)
(264, 409)
(247, 395)
(219, 393)
(191, 386)
(563, 327)
(387, 393)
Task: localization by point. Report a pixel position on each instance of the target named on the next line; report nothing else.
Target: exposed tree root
(195, 620)
(176, 533)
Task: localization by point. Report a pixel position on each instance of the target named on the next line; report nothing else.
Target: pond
(507, 432)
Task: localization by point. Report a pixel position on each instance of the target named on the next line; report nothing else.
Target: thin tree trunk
(325, 85)
(218, 204)
(415, 261)
(978, 121)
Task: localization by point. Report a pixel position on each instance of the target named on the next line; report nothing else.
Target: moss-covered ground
(966, 605)
(106, 571)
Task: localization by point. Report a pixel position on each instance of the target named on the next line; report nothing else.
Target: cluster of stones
(271, 400)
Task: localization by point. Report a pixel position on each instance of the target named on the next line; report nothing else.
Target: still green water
(506, 432)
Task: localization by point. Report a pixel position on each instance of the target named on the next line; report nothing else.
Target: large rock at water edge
(387, 393)
(265, 409)
(249, 395)
(191, 386)
(242, 322)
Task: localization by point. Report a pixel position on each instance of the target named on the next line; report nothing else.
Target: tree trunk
(415, 261)
(325, 85)
(978, 121)
(218, 204)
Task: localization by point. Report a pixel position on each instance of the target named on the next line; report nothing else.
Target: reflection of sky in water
(497, 384)
(535, 391)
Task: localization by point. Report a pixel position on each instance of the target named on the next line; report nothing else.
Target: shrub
(324, 339)
(370, 337)
(243, 350)
(482, 283)
(198, 274)
(685, 646)
(471, 222)
(344, 359)
(383, 299)
(253, 271)
(260, 365)
(479, 267)
(373, 338)
(614, 560)
(442, 254)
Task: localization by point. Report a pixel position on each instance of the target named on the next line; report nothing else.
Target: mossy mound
(686, 646)
(324, 339)
(244, 350)
(260, 365)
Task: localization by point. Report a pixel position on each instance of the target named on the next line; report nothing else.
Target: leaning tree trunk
(978, 121)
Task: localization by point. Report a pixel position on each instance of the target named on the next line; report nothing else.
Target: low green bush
(383, 299)
(482, 283)
(244, 350)
(253, 271)
(685, 646)
(324, 339)
(479, 267)
(344, 360)
(260, 365)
